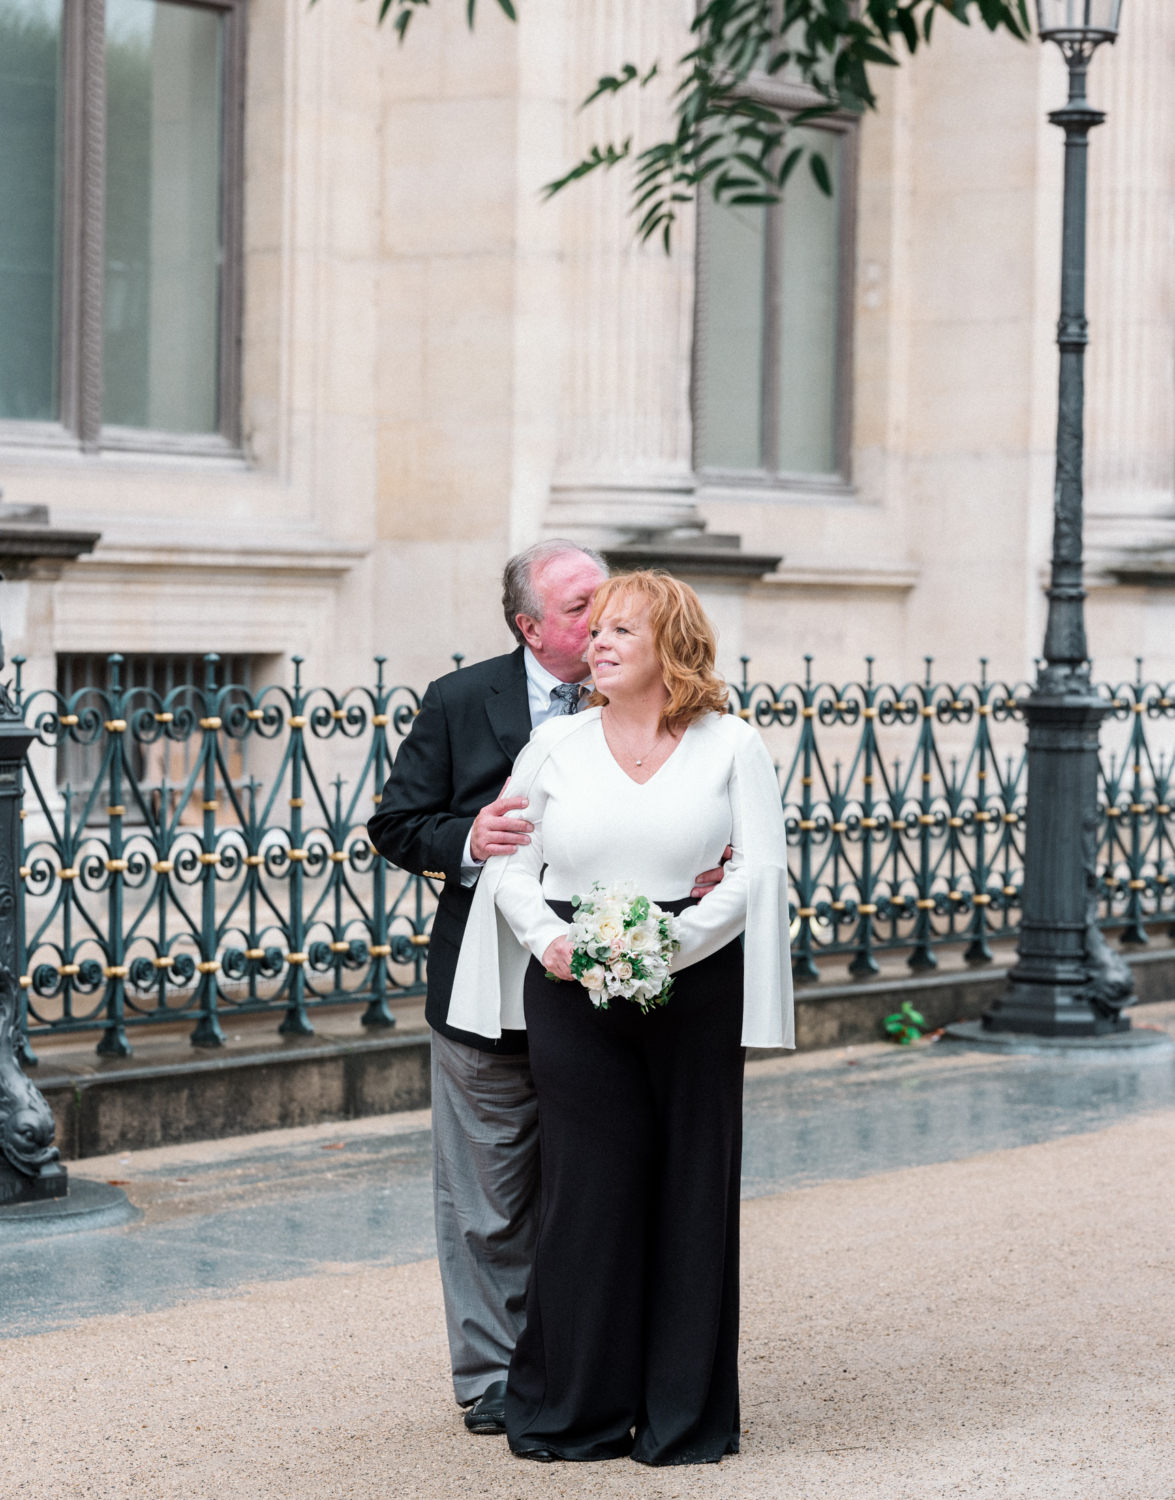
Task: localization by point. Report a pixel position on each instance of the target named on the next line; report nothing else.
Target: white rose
(644, 938)
(622, 969)
(609, 930)
(593, 978)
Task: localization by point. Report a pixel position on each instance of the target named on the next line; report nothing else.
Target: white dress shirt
(593, 822)
(540, 685)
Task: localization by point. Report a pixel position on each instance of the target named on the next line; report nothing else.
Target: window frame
(82, 233)
(790, 99)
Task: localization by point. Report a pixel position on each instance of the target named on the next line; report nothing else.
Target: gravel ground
(1000, 1326)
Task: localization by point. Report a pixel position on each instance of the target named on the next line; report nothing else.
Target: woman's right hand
(557, 959)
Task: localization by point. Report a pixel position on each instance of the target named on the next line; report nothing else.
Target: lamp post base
(1141, 1044)
(1050, 1010)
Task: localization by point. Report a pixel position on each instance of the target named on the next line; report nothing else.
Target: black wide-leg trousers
(632, 1305)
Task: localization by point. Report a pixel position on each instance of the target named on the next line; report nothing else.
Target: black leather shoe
(540, 1455)
(488, 1412)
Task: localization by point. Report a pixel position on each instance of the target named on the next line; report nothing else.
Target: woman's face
(620, 651)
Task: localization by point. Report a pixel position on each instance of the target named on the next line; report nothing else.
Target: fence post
(804, 967)
(378, 1012)
(297, 1022)
(24, 1051)
(15, 739)
(864, 965)
(208, 1031)
(114, 1042)
(30, 1167)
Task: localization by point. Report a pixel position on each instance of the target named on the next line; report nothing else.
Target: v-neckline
(632, 781)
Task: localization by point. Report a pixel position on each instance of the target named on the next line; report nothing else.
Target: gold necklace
(637, 759)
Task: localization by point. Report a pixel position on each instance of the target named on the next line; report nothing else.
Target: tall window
(771, 363)
(119, 221)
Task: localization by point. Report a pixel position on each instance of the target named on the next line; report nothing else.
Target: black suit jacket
(462, 745)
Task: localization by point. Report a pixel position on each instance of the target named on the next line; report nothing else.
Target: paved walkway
(959, 1278)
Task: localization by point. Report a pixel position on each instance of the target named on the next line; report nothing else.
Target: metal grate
(84, 676)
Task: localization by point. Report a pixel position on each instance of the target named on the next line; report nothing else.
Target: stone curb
(134, 1108)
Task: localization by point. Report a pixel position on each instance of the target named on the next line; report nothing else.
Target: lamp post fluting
(1066, 981)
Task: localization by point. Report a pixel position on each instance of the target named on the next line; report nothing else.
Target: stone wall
(438, 367)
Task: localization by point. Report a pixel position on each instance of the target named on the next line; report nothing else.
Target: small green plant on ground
(905, 1025)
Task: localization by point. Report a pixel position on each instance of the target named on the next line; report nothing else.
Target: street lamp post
(1066, 981)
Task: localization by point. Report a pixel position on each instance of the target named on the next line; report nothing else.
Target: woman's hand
(557, 959)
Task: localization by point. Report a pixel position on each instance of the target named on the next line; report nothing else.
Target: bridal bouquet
(622, 944)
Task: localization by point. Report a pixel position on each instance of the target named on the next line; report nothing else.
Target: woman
(631, 1340)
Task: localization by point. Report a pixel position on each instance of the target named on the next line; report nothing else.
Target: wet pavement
(292, 1203)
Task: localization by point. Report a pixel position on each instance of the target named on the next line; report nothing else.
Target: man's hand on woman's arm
(495, 833)
(708, 879)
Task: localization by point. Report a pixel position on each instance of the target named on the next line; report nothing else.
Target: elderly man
(441, 815)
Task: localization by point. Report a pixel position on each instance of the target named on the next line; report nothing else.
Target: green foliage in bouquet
(584, 959)
(621, 946)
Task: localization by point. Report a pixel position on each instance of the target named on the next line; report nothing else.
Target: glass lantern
(1078, 22)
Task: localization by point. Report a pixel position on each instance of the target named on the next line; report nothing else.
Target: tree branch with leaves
(724, 137)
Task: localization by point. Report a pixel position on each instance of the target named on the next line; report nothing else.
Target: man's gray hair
(519, 595)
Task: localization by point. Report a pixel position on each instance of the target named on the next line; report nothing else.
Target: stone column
(1130, 464)
(624, 469)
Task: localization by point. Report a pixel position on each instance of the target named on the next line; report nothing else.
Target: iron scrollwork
(218, 865)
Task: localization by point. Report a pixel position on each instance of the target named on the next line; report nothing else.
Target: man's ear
(531, 629)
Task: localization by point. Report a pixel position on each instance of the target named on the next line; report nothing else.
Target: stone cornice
(30, 546)
(293, 550)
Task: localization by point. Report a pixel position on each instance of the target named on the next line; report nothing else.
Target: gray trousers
(485, 1151)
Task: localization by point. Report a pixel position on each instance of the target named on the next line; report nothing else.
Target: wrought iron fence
(905, 807)
(245, 883)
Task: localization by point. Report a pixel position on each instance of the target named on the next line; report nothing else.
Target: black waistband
(566, 911)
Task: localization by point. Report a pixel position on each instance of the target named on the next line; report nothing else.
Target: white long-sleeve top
(592, 822)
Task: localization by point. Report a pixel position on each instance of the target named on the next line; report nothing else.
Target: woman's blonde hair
(683, 642)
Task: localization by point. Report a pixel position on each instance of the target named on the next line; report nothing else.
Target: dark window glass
(164, 84)
(30, 170)
(766, 364)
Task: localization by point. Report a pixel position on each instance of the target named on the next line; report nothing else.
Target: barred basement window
(120, 222)
(772, 360)
(165, 763)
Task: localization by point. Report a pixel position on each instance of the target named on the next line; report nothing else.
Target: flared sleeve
(768, 1002)
(491, 967)
(752, 897)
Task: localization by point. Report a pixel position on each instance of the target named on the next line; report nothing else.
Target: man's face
(565, 586)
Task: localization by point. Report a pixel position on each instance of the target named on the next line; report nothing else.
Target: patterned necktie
(567, 697)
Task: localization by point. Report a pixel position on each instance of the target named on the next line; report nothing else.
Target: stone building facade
(312, 355)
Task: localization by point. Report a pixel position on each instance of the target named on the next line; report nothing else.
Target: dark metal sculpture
(30, 1164)
(1065, 982)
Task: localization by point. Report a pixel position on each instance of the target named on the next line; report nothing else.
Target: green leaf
(719, 133)
(909, 28)
(612, 84)
(789, 166)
